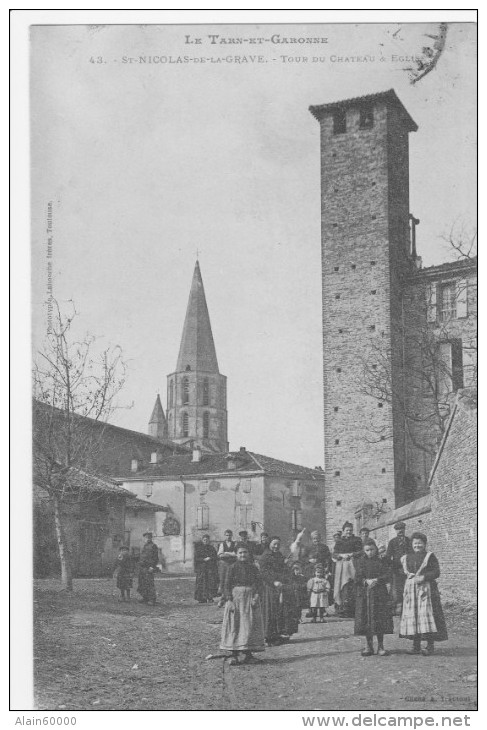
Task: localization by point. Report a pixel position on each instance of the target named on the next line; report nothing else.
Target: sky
(148, 165)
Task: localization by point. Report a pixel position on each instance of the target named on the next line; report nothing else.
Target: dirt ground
(93, 653)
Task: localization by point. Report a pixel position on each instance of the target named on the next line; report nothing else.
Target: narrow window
(185, 424)
(337, 473)
(383, 470)
(366, 120)
(185, 391)
(339, 121)
(448, 305)
(206, 392)
(339, 370)
(353, 267)
(337, 268)
(203, 517)
(337, 296)
(374, 291)
(336, 409)
(206, 425)
(340, 332)
(338, 503)
(457, 364)
(171, 394)
(372, 263)
(337, 441)
(296, 520)
(372, 327)
(380, 405)
(373, 217)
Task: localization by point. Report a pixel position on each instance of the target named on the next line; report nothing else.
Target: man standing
(263, 546)
(397, 547)
(149, 557)
(227, 555)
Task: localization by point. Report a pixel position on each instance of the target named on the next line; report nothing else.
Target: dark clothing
(249, 545)
(279, 604)
(124, 571)
(149, 557)
(431, 573)
(301, 597)
(259, 549)
(244, 574)
(396, 548)
(206, 572)
(225, 561)
(352, 544)
(373, 613)
(321, 553)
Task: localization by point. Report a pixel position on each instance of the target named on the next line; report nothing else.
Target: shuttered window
(203, 517)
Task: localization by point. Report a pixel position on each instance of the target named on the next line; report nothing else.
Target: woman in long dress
(279, 604)
(347, 547)
(422, 616)
(205, 565)
(243, 627)
(373, 614)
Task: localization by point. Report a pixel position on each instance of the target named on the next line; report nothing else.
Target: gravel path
(93, 653)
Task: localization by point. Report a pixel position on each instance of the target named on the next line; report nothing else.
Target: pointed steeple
(197, 350)
(157, 422)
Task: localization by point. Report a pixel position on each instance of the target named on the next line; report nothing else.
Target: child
(299, 584)
(318, 588)
(124, 572)
(422, 615)
(373, 616)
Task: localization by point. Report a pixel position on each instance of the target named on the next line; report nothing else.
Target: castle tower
(157, 422)
(366, 253)
(196, 391)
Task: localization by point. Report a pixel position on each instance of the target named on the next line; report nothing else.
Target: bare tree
(72, 381)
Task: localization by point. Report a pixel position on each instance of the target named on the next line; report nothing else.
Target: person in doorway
(397, 547)
(205, 565)
(373, 616)
(149, 557)
(243, 627)
(422, 616)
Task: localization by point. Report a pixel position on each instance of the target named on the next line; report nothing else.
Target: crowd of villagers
(264, 592)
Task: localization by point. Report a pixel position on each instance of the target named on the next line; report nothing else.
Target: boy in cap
(149, 557)
(123, 573)
(397, 547)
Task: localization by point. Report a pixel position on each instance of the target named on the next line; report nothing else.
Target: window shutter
(203, 517)
(431, 303)
(445, 369)
(461, 297)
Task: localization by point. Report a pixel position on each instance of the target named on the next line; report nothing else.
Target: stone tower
(196, 391)
(366, 253)
(157, 422)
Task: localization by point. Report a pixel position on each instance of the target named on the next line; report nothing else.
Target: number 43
(97, 59)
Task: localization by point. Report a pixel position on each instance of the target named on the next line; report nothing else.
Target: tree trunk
(66, 574)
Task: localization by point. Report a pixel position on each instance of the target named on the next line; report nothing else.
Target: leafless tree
(72, 380)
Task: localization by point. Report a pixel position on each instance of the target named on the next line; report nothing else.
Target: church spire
(157, 422)
(197, 349)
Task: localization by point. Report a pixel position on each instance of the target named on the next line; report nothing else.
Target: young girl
(124, 573)
(243, 628)
(318, 588)
(299, 584)
(373, 616)
(422, 615)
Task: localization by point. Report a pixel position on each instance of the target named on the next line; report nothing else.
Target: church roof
(197, 350)
(158, 412)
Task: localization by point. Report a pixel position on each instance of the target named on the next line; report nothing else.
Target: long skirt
(145, 585)
(422, 614)
(280, 612)
(397, 590)
(223, 568)
(243, 627)
(206, 582)
(373, 614)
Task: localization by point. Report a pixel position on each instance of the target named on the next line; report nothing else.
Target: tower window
(373, 217)
(206, 425)
(338, 503)
(339, 370)
(206, 392)
(171, 394)
(382, 438)
(380, 405)
(337, 268)
(366, 119)
(353, 266)
(340, 331)
(383, 470)
(335, 225)
(185, 391)
(337, 296)
(372, 263)
(337, 473)
(339, 121)
(372, 327)
(374, 291)
(185, 424)
(188, 368)
(335, 409)
(337, 441)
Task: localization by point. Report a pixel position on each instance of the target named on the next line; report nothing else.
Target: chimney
(134, 465)
(243, 450)
(196, 454)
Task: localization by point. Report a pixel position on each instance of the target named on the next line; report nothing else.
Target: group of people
(264, 592)
(124, 571)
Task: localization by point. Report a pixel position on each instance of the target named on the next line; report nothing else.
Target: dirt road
(94, 653)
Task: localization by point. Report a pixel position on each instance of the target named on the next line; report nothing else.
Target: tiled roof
(78, 480)
(109, 449)
(450, 268)
(248, 461)
(389, 96)
(137, 503)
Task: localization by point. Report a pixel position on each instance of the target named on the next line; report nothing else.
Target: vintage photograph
(254, 366)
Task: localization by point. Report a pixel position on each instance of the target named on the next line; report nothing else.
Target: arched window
(185, 424)
(185, 391)
(206, 392)
(171, 394)
(206, 425)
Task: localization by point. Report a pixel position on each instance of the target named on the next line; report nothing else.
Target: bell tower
(196, 391)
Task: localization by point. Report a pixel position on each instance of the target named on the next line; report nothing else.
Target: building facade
(382, 313)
